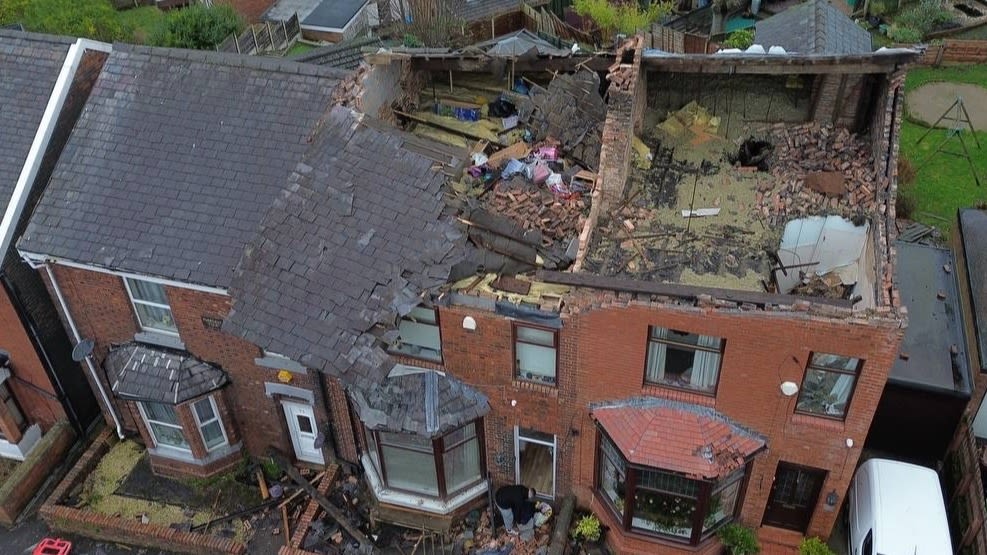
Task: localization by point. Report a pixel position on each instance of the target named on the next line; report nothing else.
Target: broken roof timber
(884, 62)
(682, 291)
(486, 63)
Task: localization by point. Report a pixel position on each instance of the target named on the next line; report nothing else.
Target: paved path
(928, 102)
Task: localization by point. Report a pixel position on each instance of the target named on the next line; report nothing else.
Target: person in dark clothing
(509, 500)
(524, 518)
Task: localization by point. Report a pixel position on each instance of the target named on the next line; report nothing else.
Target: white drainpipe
(89, 358)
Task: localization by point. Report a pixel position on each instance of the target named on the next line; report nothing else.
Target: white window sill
(427, 504)
(160, 339)
(20, 451)
(187, 457)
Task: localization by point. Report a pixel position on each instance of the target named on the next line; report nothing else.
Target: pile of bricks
(535, 208)
(572, 111)
(818, 170)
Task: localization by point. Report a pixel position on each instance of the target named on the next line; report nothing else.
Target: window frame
(439, 449)
(703, 496)
(683, 346)
(6, 389)
(809, 366)
(438, 326)
(555, 347)
(154, 436)
(135, 301)
(216, 418)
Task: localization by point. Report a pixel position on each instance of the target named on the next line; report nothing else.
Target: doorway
(794, 494)
(303, 431)
(534, 456)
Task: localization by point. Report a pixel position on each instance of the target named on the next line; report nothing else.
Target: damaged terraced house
(661, 283)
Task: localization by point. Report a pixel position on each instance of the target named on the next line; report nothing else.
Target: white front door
(301, 424)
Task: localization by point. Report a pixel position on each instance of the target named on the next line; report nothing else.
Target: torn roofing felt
(357, 237)
(144, 373)
(418, 400)
(175, 159)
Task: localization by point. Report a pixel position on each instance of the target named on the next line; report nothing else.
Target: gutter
(88, 358)
(29, 173)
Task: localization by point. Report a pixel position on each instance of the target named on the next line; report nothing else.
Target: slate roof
(345, 55)
(29, 66)
(145, 373)
(358, 233)
(333, 14)
(175, 159)
(691, 439)
(813, 27)
(519, 43)
(935, 326)
(420, 401)
(973, 230)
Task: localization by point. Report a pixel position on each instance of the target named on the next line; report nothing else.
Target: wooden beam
(884, 63)
(446, 128)
(332, 510)
(679, 290)
(484, 64)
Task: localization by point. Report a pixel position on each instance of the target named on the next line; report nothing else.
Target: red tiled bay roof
(668, 435)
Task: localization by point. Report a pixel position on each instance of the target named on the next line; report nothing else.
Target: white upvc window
(151, 305)
(162, 421)
(210, 426)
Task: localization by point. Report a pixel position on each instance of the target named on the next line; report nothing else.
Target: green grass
(943, 182)
(142, 24)
(298, 48)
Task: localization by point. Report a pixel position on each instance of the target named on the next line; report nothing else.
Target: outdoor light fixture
(469, 323)
(832, 498)
(789, 388)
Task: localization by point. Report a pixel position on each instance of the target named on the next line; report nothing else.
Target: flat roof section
(933, 352)
(973, 229)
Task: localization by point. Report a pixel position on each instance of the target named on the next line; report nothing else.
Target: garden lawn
(298, 48)
(142, 24)
(943, 182)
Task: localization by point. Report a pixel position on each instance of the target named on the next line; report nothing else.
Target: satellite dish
(82, 349)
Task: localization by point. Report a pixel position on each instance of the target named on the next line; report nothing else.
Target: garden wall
(953, 51)
(21, 486)
(128, 531)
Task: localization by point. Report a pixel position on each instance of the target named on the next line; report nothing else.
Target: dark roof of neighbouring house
(359, 232)
(476, 10)
(813, 27)
(175, 159)
(681, 437)
(973, 230)
(29, 66)
(935, 323)
(345, 55)
(145, 373)
(333, 14)
(421, 401)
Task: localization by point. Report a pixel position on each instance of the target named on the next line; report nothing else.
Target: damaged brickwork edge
(128, 531)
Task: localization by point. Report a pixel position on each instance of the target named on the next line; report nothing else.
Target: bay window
(167, 429)
(439, 467)
(663, 503)
(210, 426)
(163, 423)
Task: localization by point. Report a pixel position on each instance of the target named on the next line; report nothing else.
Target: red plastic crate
(52, 546)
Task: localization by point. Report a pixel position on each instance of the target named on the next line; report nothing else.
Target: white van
(896, 508)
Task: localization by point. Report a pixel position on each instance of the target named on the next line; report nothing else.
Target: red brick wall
(44, 409)
(602, 357)
(102, 311)
(251, 10)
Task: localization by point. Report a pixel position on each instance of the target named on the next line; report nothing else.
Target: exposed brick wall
(838, 99)
(42, 408)
(602, 357)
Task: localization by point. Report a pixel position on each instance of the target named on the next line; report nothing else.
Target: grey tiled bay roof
(175, 159)
(29, 66)
(813, 27)
(145, 373)
(359, 233)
